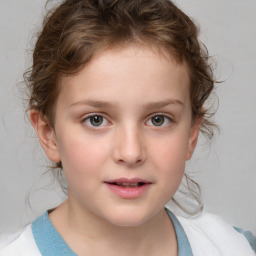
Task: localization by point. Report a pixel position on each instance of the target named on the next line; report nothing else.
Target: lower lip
(128, 193)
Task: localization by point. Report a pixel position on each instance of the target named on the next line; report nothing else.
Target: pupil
(158, 120)
(96, 120)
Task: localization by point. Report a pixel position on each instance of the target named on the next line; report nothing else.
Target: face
(123, 132)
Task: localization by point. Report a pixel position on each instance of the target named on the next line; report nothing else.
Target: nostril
(130, 162)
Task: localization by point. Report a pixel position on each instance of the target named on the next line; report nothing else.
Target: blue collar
(48, 239)
(184, 248)
(51, 243)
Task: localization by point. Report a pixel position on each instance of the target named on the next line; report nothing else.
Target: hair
(76, 30)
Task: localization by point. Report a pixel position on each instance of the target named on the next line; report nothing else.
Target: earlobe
(45, 134)
(193, 137)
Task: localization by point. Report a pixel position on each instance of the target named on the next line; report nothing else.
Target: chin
(126, 218)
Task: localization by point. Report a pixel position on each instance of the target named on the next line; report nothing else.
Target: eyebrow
(93, 103)
(160, 104)
(105, 104)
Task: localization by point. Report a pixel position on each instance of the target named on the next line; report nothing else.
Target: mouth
(128, 188)
(127, 184)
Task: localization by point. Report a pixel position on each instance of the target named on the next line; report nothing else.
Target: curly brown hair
(76, 30)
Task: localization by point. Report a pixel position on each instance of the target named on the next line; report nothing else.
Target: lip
(126, 180)
(128, 192)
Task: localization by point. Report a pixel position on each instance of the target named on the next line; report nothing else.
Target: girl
(117, 93)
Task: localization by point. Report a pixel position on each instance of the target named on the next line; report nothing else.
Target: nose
(129, 147)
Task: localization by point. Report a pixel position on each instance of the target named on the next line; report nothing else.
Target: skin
(127, 86)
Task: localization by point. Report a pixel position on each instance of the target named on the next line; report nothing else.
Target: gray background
(226, 169)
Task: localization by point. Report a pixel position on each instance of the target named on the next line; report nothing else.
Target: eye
(96, 121)
(159, 120)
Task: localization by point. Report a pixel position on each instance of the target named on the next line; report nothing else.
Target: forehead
(127, 54)
(135, 71)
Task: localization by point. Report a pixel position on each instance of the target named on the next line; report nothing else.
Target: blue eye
(96, 121)
(159, 120)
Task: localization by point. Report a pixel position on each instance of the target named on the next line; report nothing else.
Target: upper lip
(126, 180)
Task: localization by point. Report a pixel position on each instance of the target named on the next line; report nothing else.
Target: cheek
(82, 157)
(169, 156)
(170, 150)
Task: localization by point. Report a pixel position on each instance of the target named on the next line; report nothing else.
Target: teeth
(127, 185)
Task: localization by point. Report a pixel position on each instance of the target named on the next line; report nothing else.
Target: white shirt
(208, 235)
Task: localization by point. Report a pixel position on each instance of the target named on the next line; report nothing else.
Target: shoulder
(19, 244)
(209, 235)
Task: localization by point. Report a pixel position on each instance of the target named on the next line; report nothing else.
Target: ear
(193, 137)
(45, 134)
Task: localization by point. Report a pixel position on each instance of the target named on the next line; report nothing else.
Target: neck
(88, 234)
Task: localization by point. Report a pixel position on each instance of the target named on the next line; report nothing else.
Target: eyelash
(166, 119)
(93, 115)
(88, 120)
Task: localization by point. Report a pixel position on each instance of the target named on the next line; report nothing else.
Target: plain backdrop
(226, 169)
